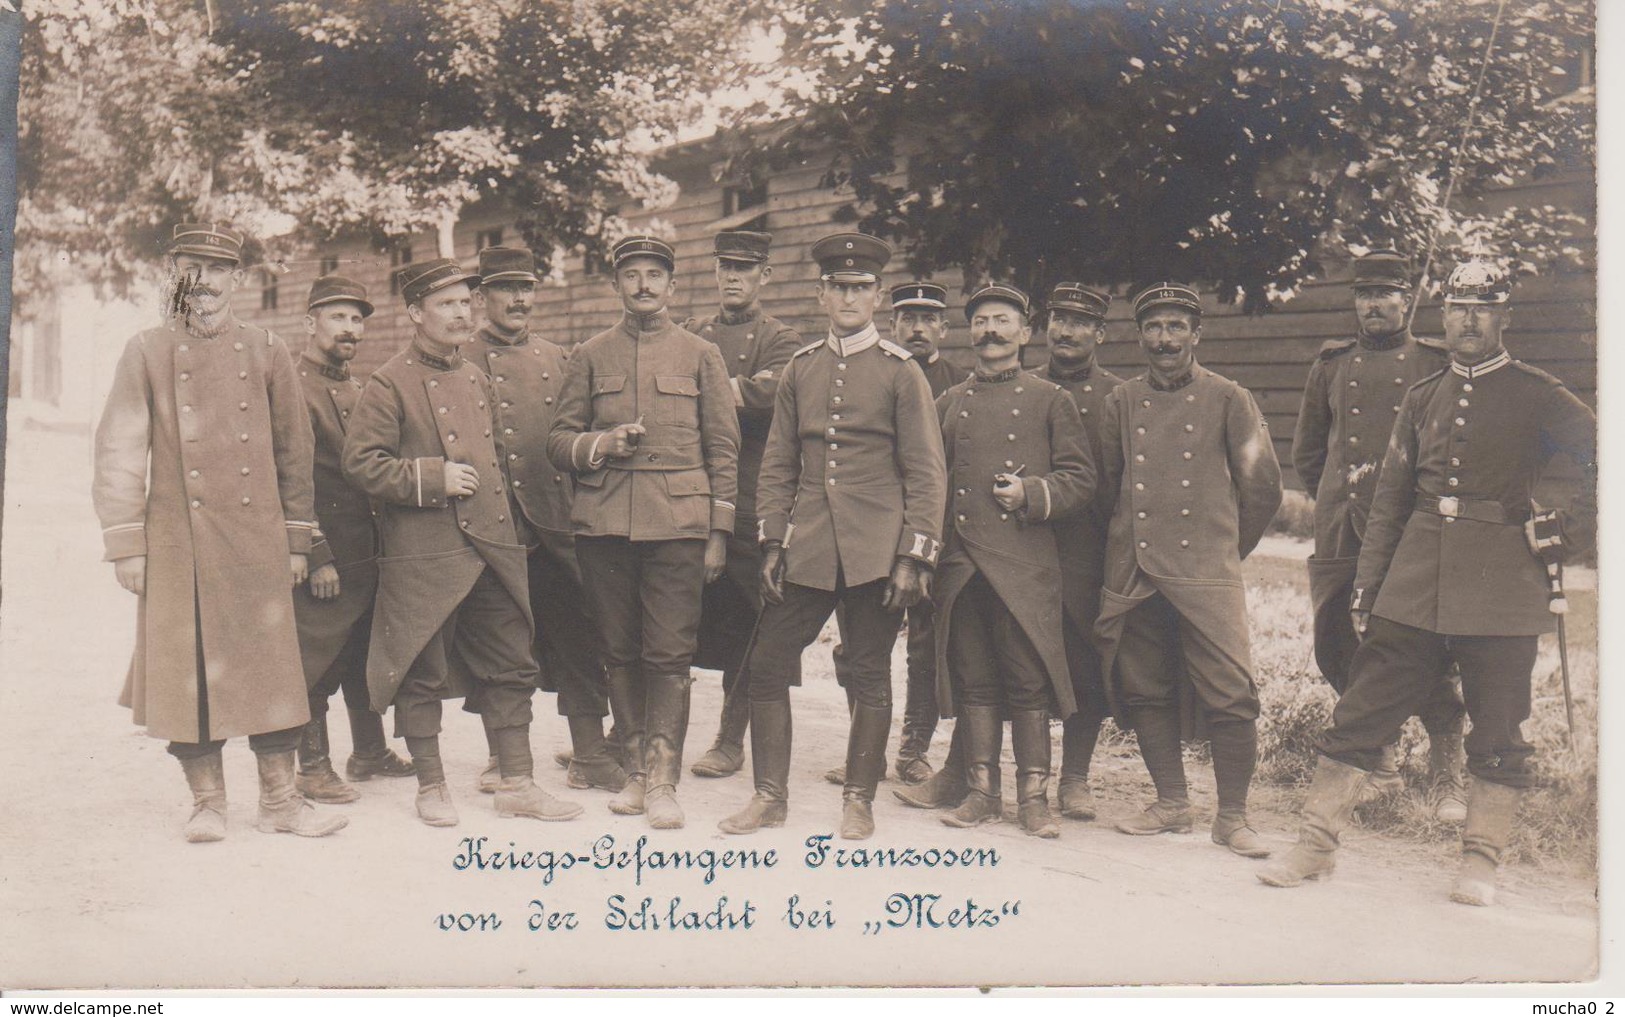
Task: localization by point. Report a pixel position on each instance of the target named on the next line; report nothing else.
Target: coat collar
(749, 314)
(1058, 373)
(492, 335)
(1386, 342)
(846, 346)
(1482, 368)
(1009, 374)
(435, 360)
(1174, 384)
(636, 325)
(327, 369)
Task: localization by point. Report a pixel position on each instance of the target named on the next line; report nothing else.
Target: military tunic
(1196, 483)
(940, 373)
(1350, 402)
(203, 465)
(526, 374)
(418, 412)
(333, 634)
(998, 425)
(1446, 571)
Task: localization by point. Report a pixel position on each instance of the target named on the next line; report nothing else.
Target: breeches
(990, 658)
(1159, 644)
(646, 596)
(786, 629)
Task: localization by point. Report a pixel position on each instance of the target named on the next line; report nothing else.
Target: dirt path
(100, 890)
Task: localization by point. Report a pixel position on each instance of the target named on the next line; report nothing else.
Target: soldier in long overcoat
(203, 489)
(526, 373)
(1350, 402)
(646, 423)
(1188, 458)
(333, 609)
(1076, 328)
(851, 496)
(1017, 458)
(1456, 568)
(755, 347)
(452, 586)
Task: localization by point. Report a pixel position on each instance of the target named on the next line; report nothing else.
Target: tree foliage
(1242, 143)
(382, 117)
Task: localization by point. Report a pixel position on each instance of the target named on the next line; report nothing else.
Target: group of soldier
(489, 516)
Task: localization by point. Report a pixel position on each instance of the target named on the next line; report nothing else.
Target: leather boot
(837, 774)
(770, 765)
(591, 763)
(206, 776)
(282, 808)
(865, 764)
(1491, 811)
(627, 699)
(434, 804)
(726, 756)
(516, 792)
(911, 766)
(1235, 756)
(316, 779)
(983, 733)
(1157, 730)
(370, 755)
(1446, 760)
(1029, 730)
(1326, 811)
(1386, 779)
(946, 788)
(1079, 733)
(663, 746)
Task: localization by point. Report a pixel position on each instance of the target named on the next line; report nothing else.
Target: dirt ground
(100, 890)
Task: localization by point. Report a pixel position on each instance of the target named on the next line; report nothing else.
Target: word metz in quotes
(640, 912)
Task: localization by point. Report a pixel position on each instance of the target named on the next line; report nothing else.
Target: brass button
(1187, 455)
(832, 482)
(196, 503)
(245, 499)
(1139, 457)
(242, 374)
(1184, 483)
(186, 409)
(1461, 422)
(1140, 514)
(1463, 403)
(185, 376)
(243, 471)
(1189, 428)
(243, 436)
(512, 456)
(548, 400)
(193, 474)
(1184, 543)
(1467, 386)
(1184, 512)
(1139, 487)
(1453, 482)
(243, 407)
(1142, 543)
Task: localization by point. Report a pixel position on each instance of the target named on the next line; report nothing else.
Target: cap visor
(366, 306)
(472, 278)
(199, 251)
(1067, 305)
(850, 277)
(508, 277)
(930, 305)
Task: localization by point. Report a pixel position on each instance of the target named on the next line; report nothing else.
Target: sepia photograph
(796, 494)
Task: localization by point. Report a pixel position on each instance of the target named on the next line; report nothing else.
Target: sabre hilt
(1556, 601)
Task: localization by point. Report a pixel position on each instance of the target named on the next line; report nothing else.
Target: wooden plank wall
(1554, 318)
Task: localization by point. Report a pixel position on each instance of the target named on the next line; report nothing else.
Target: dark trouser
(1396, 670)
(990, 659)
(348, 672)
(729, 610)
(786, 629)
(1158, 645)
(920, 710)
(1331, 589)
(568, 646)
(1081, 730)
(646, 595)
(488, 634)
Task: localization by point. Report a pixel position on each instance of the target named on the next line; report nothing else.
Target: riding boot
(1157, 730)
(1326, 811)
(370, 755)
(1235, 756)
(667, 728)
(946, 788)
(1491, 811)
(282, 808)
(727, 754)
(1029, 730)
(206, 776)
(591, 762)
(1079, 733)
(627, 701)
(316, 779)
(770, 767)
(865, 765)
(983, 733)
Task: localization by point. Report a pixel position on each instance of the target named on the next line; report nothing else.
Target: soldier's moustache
(988, 338)
(1165, 349)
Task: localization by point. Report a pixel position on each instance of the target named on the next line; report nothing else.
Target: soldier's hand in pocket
(773, 573)
(462, 480)
(324, 582)
(716, 555)
(131, 574)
